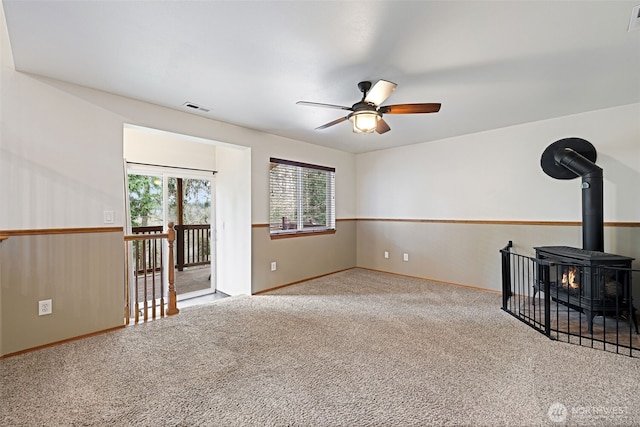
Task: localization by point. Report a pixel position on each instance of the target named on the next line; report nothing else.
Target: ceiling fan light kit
(364, 121)
(366, 115)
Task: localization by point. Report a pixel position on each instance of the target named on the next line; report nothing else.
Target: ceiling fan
(366, 114)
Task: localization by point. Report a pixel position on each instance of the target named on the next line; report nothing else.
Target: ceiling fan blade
(379, 92)
(410, 108)
(319, 104)
(335, 122)
(382, 126)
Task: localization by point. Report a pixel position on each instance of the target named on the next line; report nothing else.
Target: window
(302, 198)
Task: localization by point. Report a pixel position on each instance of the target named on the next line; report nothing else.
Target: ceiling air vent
(193, 106)
(634, 22)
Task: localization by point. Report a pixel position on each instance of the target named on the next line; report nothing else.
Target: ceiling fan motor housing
(364, 88)
(364, 106)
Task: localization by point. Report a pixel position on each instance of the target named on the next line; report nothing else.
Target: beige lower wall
(2, 246)
(468, 253)
(300, 258)
(82, 273)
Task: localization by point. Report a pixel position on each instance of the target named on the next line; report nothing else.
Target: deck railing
(193, 243)
(144, 286)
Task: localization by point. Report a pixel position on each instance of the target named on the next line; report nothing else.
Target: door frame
(166, 172)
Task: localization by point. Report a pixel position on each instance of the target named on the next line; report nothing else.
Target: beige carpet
(357, 348)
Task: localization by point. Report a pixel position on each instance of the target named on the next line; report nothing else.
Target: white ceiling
(490, 63)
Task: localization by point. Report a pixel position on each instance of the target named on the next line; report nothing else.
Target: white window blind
(302, 197)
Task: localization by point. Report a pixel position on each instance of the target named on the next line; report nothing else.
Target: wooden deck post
(173, 308)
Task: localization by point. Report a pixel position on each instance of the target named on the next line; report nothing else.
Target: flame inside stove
(569, 278)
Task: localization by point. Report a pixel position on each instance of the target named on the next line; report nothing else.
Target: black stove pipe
(592, 196)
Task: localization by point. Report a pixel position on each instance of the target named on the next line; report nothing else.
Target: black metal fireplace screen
(572, 295)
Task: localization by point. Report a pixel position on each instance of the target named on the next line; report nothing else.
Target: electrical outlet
(405, 257)
(45, 307)
(274, 266)
(386, 254)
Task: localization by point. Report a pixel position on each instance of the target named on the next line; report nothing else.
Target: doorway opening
(198, 165)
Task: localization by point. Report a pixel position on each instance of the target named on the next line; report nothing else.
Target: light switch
(108, 217)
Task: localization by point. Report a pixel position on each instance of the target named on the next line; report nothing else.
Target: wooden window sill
(301, 234)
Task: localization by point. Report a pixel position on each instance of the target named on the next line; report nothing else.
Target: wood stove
(592, 282)
(587, 279)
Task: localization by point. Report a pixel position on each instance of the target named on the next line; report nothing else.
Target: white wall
(62, 153)
(233, 212)
(59, 155)
(496, 175)
(150, 146)
(464, 197)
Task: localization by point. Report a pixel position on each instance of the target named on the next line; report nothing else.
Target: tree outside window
(301, 197)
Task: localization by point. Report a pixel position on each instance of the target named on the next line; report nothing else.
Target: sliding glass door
(157, 196)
